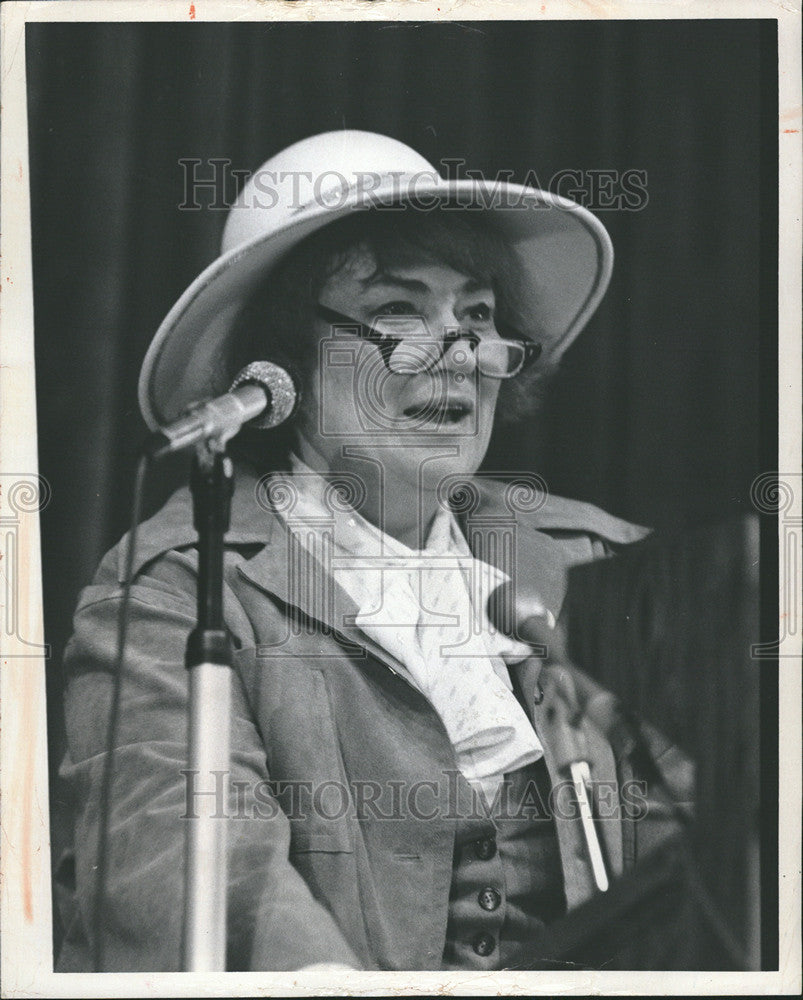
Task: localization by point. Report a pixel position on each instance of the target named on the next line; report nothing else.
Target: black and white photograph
(409, 514)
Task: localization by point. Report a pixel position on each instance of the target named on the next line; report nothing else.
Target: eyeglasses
(417, 351)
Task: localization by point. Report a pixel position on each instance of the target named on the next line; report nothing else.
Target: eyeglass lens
(491, 357)
(418, 351)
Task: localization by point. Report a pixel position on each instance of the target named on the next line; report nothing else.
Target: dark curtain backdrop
(658, 413)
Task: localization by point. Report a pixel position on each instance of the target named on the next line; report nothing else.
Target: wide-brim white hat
(565, 252)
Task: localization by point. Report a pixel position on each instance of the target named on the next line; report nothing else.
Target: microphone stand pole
(209, 661)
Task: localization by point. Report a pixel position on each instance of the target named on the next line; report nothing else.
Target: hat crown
(315, 175)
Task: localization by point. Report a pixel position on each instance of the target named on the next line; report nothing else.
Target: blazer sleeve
(274, 922)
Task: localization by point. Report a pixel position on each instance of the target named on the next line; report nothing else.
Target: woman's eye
(482, 312)
(397, 309)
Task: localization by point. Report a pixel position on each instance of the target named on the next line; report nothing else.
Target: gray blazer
(324, 864)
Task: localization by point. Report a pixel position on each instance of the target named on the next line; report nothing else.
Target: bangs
(457, 241)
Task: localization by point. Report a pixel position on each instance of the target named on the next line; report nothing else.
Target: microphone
(526, 619)
(262, 393)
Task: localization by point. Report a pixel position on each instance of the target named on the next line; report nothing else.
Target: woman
(404, 784)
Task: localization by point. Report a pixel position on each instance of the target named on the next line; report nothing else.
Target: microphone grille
(278, 383)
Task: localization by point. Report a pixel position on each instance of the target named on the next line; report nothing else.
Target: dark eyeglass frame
(387, 344)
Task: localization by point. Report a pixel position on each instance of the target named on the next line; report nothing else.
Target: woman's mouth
(440, 413)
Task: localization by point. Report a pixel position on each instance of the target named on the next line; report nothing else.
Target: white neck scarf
(427, 608)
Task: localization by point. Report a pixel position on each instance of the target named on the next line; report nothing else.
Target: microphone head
(280, 386)
(520, 616)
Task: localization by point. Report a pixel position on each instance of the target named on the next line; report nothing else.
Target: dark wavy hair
(276, 322)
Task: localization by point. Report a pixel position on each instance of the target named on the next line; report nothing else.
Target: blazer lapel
(536, 564)
(284, 569)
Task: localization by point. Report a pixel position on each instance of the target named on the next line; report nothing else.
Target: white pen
(581, 777)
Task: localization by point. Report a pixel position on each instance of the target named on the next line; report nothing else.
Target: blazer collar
(514, 543)
(535, 562)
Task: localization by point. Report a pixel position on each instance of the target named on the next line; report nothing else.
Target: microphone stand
(266, 391)
(209, 661)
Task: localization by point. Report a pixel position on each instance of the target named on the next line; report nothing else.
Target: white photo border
(25, 842)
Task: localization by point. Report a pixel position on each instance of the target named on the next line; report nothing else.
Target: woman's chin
(434, 469)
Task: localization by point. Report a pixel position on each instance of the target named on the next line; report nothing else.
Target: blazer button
(485, 848)
(489, 899)
(483, 944)
(538, 695)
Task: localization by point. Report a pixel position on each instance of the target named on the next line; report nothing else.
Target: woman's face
(421, 425)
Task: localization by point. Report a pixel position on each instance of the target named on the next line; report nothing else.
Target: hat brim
(565, 252)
